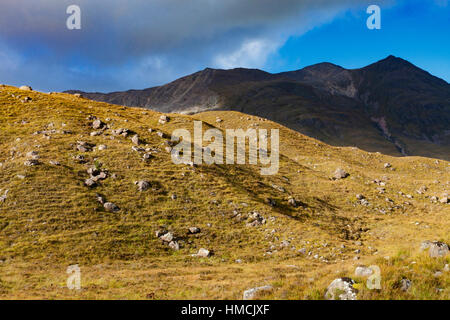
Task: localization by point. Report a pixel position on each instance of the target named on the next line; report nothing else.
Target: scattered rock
(30, 163)
(341, 289)
(279, 188)
(54, 163)
(340, 174)
(83, 146)
(97, 124)
(111, 207)
(163, 119)
(293, 202)
(4, 196)
(387, 165)
(142, 185)
(203, 253)
(436, 249)
(405, 284)
(255, 219)
(90, 183)
(160, 233)
(252, 293)
(444, 199)
(167, 237)
(25, 88)
(147, 156)
(79, 158)
(102, 147)
(194, 230)
(174, 245)
(136, 140)
(121, 132)
(100, 199)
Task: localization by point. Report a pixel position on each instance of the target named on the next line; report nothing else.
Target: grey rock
(405, 284)
(167, 237)
(30, 163)
(341, 289)
(90, 182)
(194, 230)
(97, 124)
(436, 249)
(203, 253)
(163, 119)
(174, 245)
(111, 207)
(142, 185)
(25, 88)
(340, 174)
(136, 140)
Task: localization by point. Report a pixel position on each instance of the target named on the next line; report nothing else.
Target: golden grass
(50, 220)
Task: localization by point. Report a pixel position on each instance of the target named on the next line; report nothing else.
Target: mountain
(390, 106)
(77, 187)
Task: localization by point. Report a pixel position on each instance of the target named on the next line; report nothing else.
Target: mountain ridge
(391, 106)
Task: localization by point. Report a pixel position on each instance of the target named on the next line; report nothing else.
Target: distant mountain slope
(390, 106)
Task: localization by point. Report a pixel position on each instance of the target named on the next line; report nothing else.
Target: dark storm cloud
(143, 42)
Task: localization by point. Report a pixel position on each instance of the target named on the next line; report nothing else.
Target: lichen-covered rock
(341, 289)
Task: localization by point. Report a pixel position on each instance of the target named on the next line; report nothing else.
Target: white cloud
(144, 43)
(251, 54)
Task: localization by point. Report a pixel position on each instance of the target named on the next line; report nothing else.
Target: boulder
(203, 253)
(163, 119)
(167, 237)
(25, 88)
(405, 284)
(97, 124)
(340, 174)
(174, 245)
(111, 207)
(30, 163)
(444, 199)
(136, 140)
(341, 289)
(436, 249)
(90, 183)
(194, 230)
(142, 185)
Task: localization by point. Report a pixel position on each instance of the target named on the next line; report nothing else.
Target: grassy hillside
(49, 218)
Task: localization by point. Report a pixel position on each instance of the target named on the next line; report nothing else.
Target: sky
(137, 44)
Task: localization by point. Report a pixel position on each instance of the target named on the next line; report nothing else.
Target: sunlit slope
(50, 219)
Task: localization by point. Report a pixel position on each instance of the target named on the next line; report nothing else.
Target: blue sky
(418, 31)
(139, 44)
